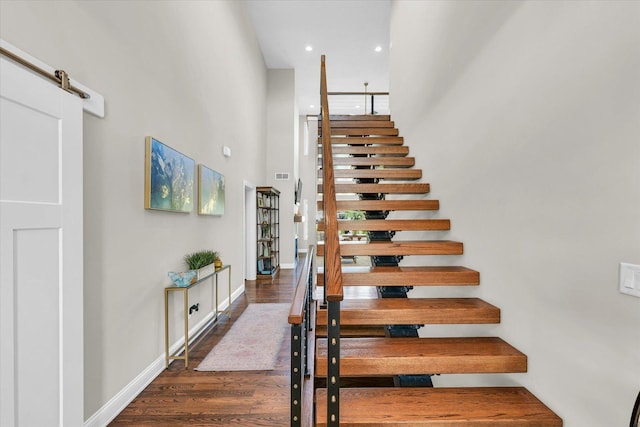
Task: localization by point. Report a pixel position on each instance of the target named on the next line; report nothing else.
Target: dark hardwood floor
(180, 397)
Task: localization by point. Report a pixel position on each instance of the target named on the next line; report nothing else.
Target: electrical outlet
(630, 279)
(194, 307)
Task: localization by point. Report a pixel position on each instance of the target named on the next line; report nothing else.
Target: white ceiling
(346, 31)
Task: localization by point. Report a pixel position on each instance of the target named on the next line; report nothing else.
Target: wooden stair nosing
(392, 224)
(353, 331)
(413, 311)
(367, 140)
(400, 247)
(416, 356)
(381, 150)
(359, 124)
(349, 117)
(364, 131)
(412, 188)
(384, 161)
(410, 276)
(385, 205)
(443, 407)
(386, 174)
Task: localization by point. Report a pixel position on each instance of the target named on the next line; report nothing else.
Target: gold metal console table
(185, 298)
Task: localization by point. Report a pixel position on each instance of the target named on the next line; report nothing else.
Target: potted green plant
(202, 262)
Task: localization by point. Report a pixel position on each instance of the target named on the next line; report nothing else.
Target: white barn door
(41, 260)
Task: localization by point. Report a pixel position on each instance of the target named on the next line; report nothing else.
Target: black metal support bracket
(376, 214)
(386, 260)
(381, 236)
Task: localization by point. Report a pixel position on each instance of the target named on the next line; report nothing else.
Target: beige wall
(282, 138)
(525, 117)
(189, 73)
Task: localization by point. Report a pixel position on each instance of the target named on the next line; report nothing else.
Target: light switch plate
(630, 279)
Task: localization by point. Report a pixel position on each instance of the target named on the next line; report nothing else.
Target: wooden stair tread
(386, 174)
(391, 224)
(400, 247)
(393, 150)
(394, 162)
(450, 407)
(364, 131)
(413, 188)
(385, 205)
(413, 311)
(397, 356)
(410, 276)
(366, 140)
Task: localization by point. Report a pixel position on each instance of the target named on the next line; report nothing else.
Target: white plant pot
(205, 271)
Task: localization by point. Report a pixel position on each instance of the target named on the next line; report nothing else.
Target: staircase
(379, 344)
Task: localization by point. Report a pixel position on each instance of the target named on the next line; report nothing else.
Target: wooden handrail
(333, 269)
(296, 313)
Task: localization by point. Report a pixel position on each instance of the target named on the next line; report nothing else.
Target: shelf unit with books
(268, 232)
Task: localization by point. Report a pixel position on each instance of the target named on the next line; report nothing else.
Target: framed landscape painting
(168, 178)
(210, 191)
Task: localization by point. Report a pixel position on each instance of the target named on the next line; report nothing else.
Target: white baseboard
(225, 302)
(288, 266)
(117, 403)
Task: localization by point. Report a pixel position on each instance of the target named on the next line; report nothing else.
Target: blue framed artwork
(168, 178)
(210, 191)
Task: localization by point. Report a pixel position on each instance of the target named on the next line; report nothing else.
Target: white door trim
(250, 230)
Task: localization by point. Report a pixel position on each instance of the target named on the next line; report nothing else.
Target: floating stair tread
(447, 407)
(353, 331)
(387, 174)
(392, 150)
(364, 131)
(366, 140)
(351, 117)
(387, 162)
(391, 224)
(397, 356)
(413, 188)
(409, 276)
(359, 124)
(401, 247)
(413, 311)
(385, 205)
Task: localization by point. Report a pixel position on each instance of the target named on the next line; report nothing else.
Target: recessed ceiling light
(357, 106)
(312, 106)
(378, 49)
(309, 48)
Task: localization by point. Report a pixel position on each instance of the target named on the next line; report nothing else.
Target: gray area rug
(253, 342)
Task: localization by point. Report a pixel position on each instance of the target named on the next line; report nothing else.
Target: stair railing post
(301, 323)
(296, 374)
(333, 360)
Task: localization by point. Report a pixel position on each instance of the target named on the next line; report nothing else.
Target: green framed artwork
(210, 191)
(168, 178)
